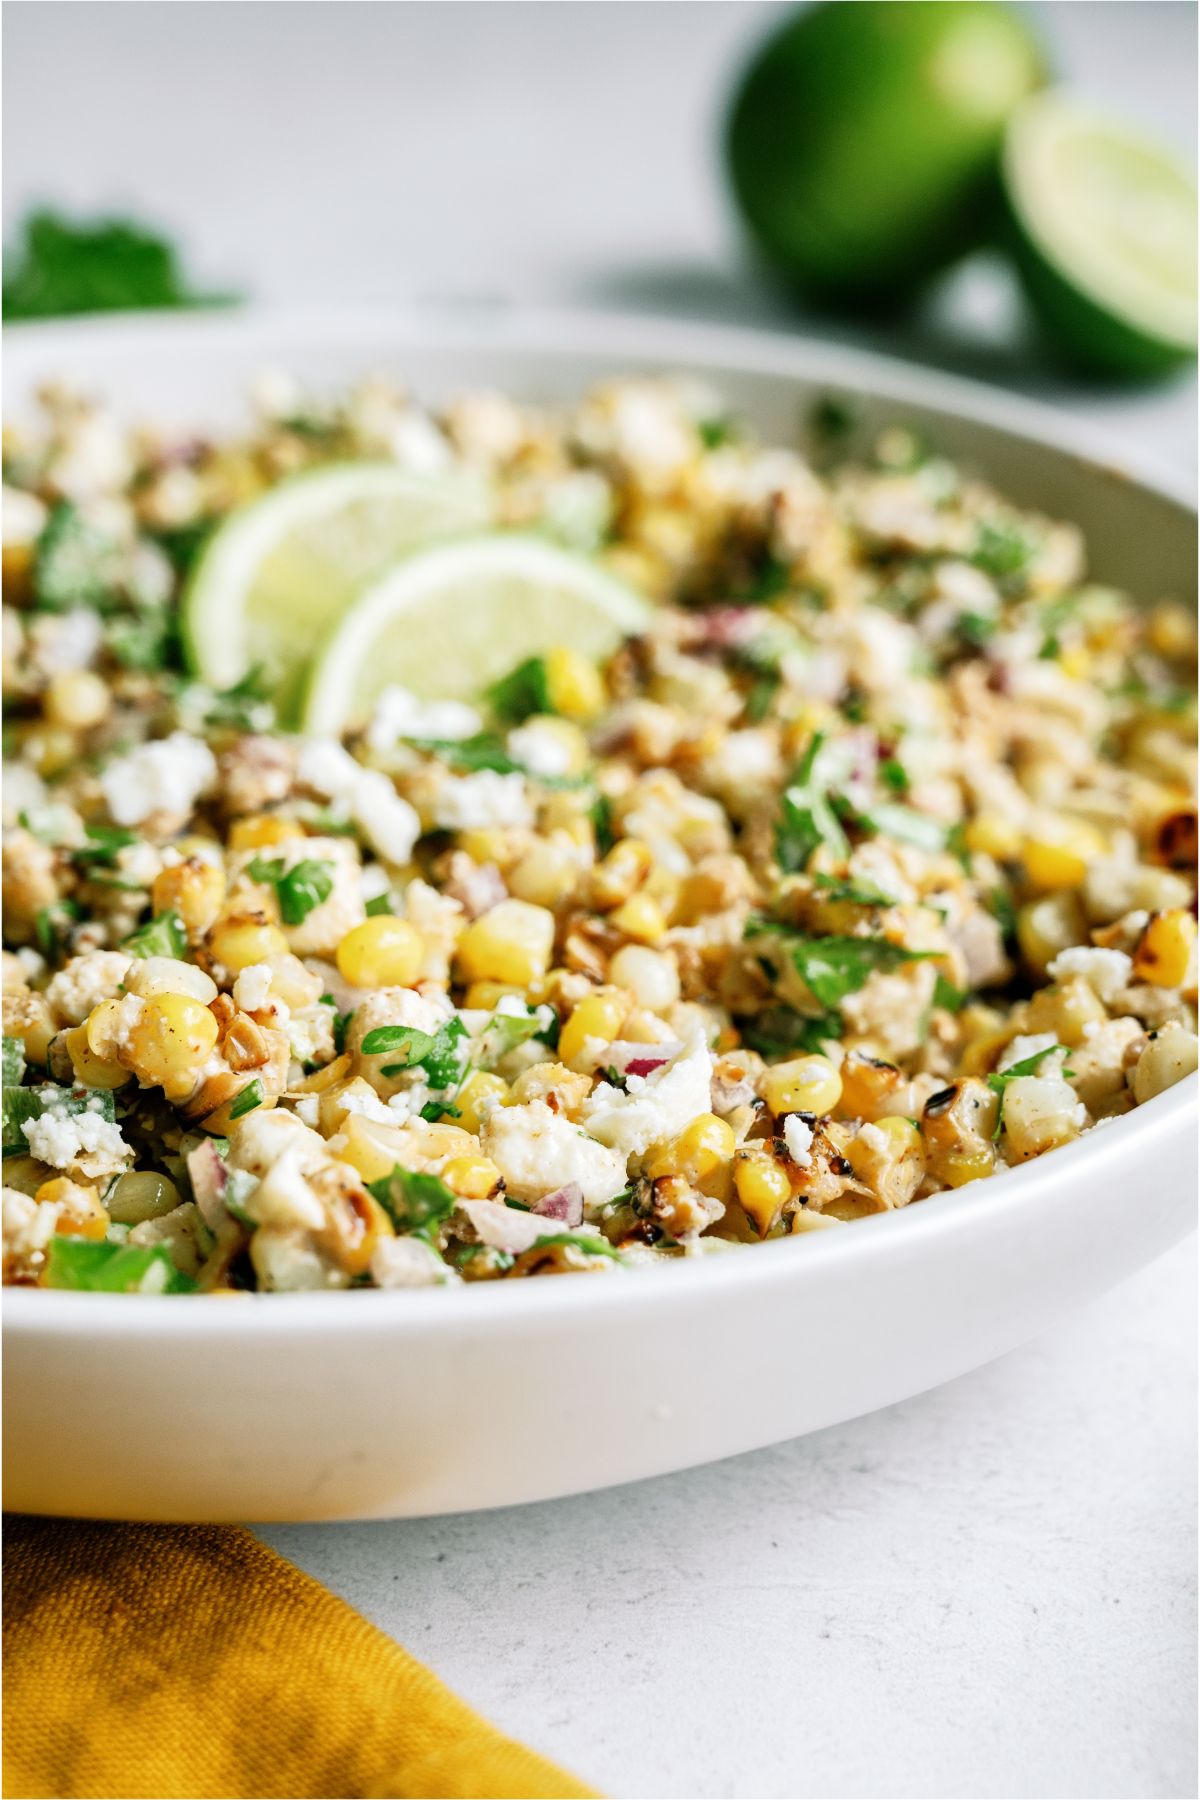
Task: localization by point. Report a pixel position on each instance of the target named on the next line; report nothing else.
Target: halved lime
(1105, 236)
(280, 571)
(448, 622)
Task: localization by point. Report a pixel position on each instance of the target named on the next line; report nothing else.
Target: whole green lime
(864, 139)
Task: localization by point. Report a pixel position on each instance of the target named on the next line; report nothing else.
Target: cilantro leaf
(165, 935)
(250, 1097)
(780, 1030)
(853, 893)
(51, 927)
(75, 564)
(379, 904)
(14, 1062)
(416, 1204)
(525, 690)
(945, 994)
(104, 1268)
(890, 819)
(807, 818)
(299, 889)
(101, 849)
(59, 267)
(832, 967)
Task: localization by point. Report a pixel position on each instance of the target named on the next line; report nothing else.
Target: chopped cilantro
(1028, 1065)
(250, 1097)
(299, 889)
(602, 824)
(807, 818)
(51, 928)
(105, 1268)
(60, 267)
(720, 429)
(891, 819)
(780, 1030)
(1001, 907)
(853, 893)
(523, 691)
(894, 775)
(832, 967)
(148, 641)
(379, 905)
(945, 994)
(165, 935)
(75, 564)
(416, 1204)
(101, 849)
(1004, 552)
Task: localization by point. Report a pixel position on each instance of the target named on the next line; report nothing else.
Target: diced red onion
(504, 1227)
(640, 1059)
(565, 1203)
(209, 1178)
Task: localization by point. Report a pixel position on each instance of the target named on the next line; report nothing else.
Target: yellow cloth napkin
(189, 1660)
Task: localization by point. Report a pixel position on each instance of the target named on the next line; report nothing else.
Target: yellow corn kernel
(477, 1096)
(1076, 661)
(651, 976)
(1171, 630)
(194, 889)
(1044, 927)
(337, 1102)
(292, 983)
(573, 683)
(260, 830)
(762, 1187)
(598, 1017)
(991, 834)
(472, 1177)
(810, 1084)
(1165, 949)
(82, 1213)
(484, 995)
(150, 975)
(640, 918)
(92, 1070)
(381, 952)
(1060, 861)
(493, 844)
(173, 1035)
(510, 943)
(239, 941)
(983, 1052)
(701, 1147)
(546, 875)
(1068, 1011)
(370, 1146)
(889, 1156)
(959, 1167)
(625, 868)
(141, 1195)
(77, 699)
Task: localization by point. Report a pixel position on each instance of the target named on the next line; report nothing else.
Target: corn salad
(869, 871)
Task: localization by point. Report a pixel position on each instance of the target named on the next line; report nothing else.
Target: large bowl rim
(943, 1216)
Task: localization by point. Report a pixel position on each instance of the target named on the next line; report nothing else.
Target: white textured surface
(988, 1590)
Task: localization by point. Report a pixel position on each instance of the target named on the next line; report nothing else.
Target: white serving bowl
(372, 1404)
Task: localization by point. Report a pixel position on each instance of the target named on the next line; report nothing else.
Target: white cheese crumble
(798, 1137)
(654, 1107)
(1107, 972)
(540, 748)
(388, 821)
(475, 802)
(252, 989)
(166, 776)
(62, 1138)
(537, 1151)
(400, 714)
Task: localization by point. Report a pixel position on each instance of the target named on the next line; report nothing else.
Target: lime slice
(1105, 233)
(450, 621)
(281, 570)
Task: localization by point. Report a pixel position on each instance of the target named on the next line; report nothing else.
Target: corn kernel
(650, 976)
(990, 834)
(1171, 630)
(573, 684)
(172, 1036)
(762, 1187)
(701, 1147)
(260, 830)
(381, 952)
(292, 983)
(1044, 927)
(810, 1084)
(641, 918)
(82, 1214)
(150, 975)
(239, 941)
(92, 1070)
(1165, 950)
(546, 875)
(194, 889)
(597, 1018)
(492, 844)
(625, 868)
(477, 1096)
(77, 699)
(483, 996)
(1061, 860)
(959, 1167)
(472, 1177)
(510, 943)
(1067, 1011)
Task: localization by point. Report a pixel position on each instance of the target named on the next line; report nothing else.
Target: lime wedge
(281, 570)
(1105, 234)
(448, 622)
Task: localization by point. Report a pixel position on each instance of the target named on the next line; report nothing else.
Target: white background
(988, 1590)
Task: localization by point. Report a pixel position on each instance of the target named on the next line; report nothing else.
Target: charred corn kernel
(889, 1156)
(704, 1145)
(1170, 1054)
(598, 1018)
(809, 1084)
(640, 917)
(573, 683)
(138, 1196)
(1174, 835)
(168, 975)
(260, 830)
(356, 1222)
(77, 699)
(171, 1037)
(381, 952)
(1171, 630)
(1068, 1011)
(651, 976)
(511, 943)
(477, 1096)
(92, 1070)
(991, 834)
(872, 1087)
(1044, 927)
(82, 1214)
(1165, 949)
(1060, 860)
(958, 1167)
(194, 889)
(238, 942)
(546, 875)
(762, 1186)
(472, 1177)
(625, 868)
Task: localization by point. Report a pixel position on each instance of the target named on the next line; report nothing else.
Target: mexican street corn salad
(865, 870)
